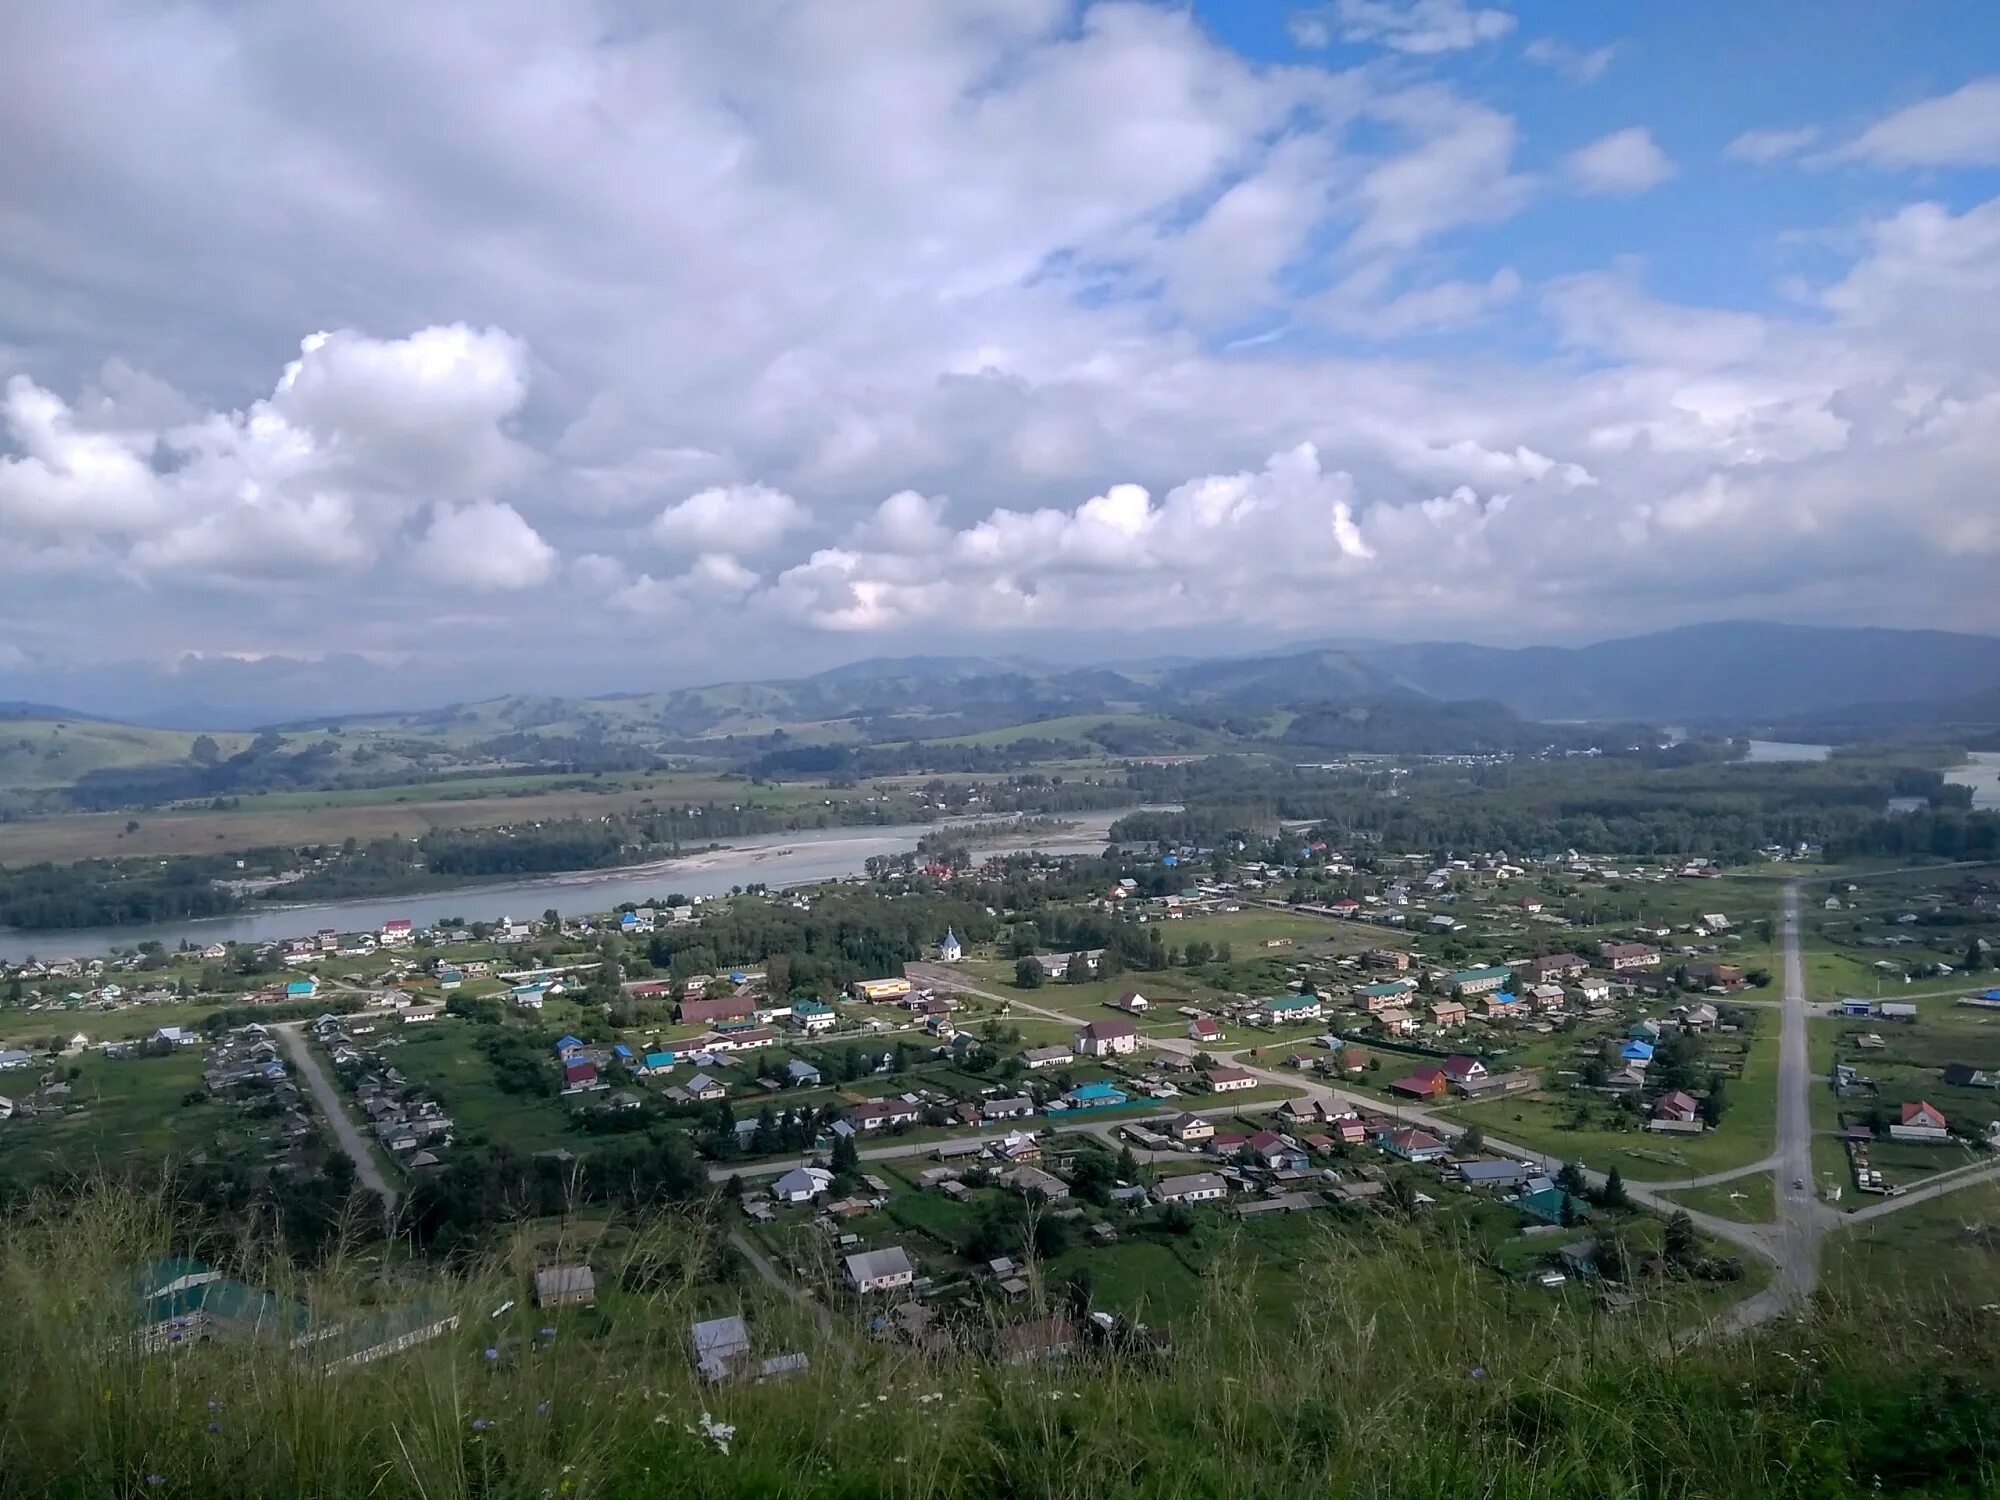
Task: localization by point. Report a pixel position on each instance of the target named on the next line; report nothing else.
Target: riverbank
(777, 860)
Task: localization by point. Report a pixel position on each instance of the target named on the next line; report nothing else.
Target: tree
(1128, 1166)
(1614, 1194)
(1471, 1141)
(1078, 971)
(1566, 1214)
(845, 1159)
(1975, 955)
(1713, 1102)
(1570, 1179)
(1681, 1245)
(1028, 973)
(1402, 1196)
(204, 751)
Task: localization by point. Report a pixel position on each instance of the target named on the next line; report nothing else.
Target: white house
(949, 951)
(1107, 1039)
(1133, 1003)
(1196, 1187)
(880, 1270)
(801, 1184)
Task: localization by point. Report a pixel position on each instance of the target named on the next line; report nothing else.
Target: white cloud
(1959, 129)
(1771, 145)
(1459, 171)
(1420, 27)
(485, 547)
(1626, 161)
(1357, 306)
(1581, 64)
(737, 517)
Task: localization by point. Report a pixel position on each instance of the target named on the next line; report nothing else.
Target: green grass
(1939, 1252)
(446, 1059)
(121, 1113)
(1751, 1200)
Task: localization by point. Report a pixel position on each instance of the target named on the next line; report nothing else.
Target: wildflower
(722, 1434)
(215, 1406)
(156, 1479)
(479, 1424)
(215, 1427)
(548, 1333)
(492, 1353)
(541, 1408)
(1477, 1372)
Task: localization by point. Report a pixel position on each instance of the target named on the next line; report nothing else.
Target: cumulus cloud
(722, 303)
(1959, 129)
(739, 517)
(1625, 161)
(485, 547)
(1764, 146)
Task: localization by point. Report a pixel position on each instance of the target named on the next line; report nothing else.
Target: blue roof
(565, 1043)
(1636, 1049)
(621, 1050)
(1505, 997)
(1097, 1091)
(659, 1059)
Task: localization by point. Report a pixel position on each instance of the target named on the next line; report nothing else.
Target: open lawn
(446, 1058)
(1752, 1199)
(120, 1113)
(1944, 1251)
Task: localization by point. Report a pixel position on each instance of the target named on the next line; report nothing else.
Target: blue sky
(365, 357)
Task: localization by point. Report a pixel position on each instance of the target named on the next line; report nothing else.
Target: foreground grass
(1394, 1379)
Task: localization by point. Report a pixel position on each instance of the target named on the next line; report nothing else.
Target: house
(1034, 1059)
(565, 1286)
(1466, 984)
(700, 1012)
(1133, 1003)
(1107, 1039)
(1286, 1010)
(1396, 1022)
(1714, 976)
(1411, 1144)
(1016, 1108)
(1196, 1187)
(1386, 958)
(1229, 1080)
(1677, 1104)
(880, 1270)
(1204, 1029)
(949, 949)
(396, 932)
(1386, 995)
(1279, 1153)
(1189, 1128)
(1447, 1013)
(705, 1088)
(1493, 1174)
(1464, 1073)
(416, 1014)
(802, 1184)
(1057, 965)
(877, 991)
(1541, 1200)
(580, 1077)
(1702, 1017)
(1636, 1053)
(1095, 1096)
(801, 1074)
(1921, 1121)
(15, 1058)
(1619, 957)
(1965, 1076)
(657, 1063)
(1425, 1083)
(1033, 1182)
(720, 1347)
(1553, 966)
(883, 1114)
(301, 989)
(813, 1017)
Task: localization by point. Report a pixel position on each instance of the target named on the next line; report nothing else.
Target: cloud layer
(775, 327)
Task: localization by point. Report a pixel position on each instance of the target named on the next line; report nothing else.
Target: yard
(1751, 1199)
(121, 1112)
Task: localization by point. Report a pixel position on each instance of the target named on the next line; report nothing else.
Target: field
(1753, 1199)
(38, 753)
(1944, 1251)
(121, 1112)
(446, 1059)
(291, 818)
(1546, 1123)
(1910, 1063)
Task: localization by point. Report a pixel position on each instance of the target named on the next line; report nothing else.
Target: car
(1798, 1182)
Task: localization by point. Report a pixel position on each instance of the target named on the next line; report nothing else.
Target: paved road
(352, 1141)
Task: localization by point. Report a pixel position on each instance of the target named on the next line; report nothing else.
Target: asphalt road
(352, 1141)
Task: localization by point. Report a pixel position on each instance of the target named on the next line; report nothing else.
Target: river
(1981, 772)
(774, 859)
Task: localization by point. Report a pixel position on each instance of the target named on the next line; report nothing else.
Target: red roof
(1922, 1113)
(579, 1072)
(1679, 1102)
(1423, 1081)
(1461, 1066)
(1204, 1026)
(1264, 1140)
(396, 924)
(1100, 1031)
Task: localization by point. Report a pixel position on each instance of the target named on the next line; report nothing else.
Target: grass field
(1543, 1121)
(289, 818)
(1752, 1199)
(54, 752)
(447, 1060)
(120, 1113)
(1943, 1251)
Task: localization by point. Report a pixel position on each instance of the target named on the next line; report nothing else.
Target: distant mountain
(1725, 674)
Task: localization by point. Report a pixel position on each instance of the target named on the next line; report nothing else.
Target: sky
(362, 354)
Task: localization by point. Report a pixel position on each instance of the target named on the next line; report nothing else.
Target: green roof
(1474, 976)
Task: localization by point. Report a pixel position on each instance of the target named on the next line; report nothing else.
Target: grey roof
(701, 1082)
(1494, 1171)
(872, 1264)
(720, 1338)
(1194, 1182)
(561, 1281)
